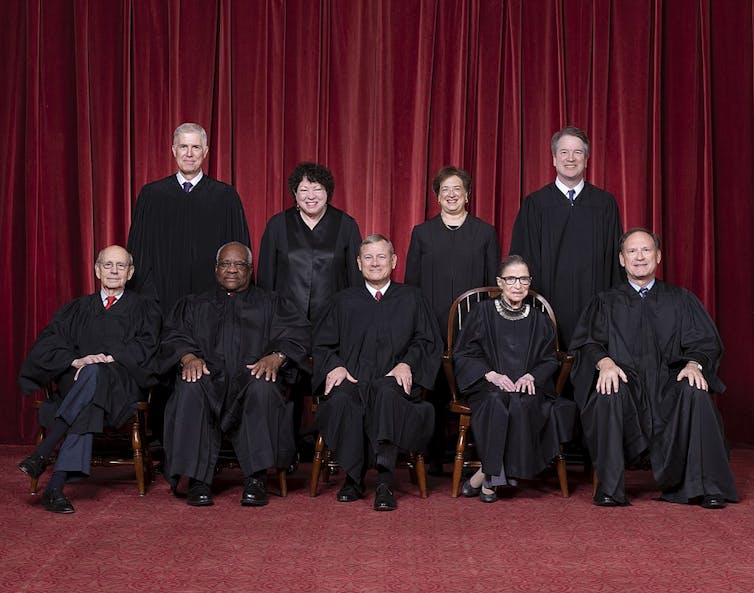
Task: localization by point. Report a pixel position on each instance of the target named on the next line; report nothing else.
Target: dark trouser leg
(192, 433)
(612, 427)
(341, 420)
(264, 437)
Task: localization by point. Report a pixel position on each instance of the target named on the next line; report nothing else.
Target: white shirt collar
(193, 182)
(564, 188)
(649, 286)
(103, 295)
(373, 291)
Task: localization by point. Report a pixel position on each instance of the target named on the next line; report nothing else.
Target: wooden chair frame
(458, 405)
(324, 464)
(141, 457)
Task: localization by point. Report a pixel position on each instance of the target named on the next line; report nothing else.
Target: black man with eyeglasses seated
(504, 364)
(98, 350)
(647, 354)
(234, 347)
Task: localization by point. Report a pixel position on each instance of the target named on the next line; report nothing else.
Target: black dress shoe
(350, 492)
(469, 491)
(484, 497)
(34, 466)
(255, 493)
(199, 495)
(384, 499)
(713, 501)
(55, 501)
(605, 500)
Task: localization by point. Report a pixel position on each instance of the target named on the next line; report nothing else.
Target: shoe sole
(254, 503)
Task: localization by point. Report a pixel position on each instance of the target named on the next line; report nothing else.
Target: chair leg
(421, 475)
(136, 445)
(40, 437)
(463, 425)
(316, 464)
(562, 474)
(595, 482)
(283, 481)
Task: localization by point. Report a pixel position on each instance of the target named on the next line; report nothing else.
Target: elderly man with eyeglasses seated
(647, 355)
(98, 350)
(232, 348)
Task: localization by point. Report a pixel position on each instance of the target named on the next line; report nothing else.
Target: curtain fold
(384, 93)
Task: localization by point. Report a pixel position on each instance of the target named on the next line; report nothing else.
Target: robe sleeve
(290, 332)
(325, 349)
(470, 360)
(267, 263)
(136, 353)
(492, 257)
(352, 252)
(700, 340)
(589, 344)
(424, 351)
(138, 245)
(178, 336)
(52, 352)
(526, 236)
(413, 260)
(542, 360)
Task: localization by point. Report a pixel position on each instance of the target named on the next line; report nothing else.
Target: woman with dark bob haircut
(449, 254)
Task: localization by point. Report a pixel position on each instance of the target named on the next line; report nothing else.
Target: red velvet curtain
(385, 93)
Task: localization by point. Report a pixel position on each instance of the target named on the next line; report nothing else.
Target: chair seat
(109, 447)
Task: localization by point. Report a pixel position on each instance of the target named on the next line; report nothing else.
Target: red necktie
(110, 301)
(378, 295)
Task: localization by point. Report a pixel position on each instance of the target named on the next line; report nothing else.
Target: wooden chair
(458, 311)
(127, 445)
(324, 464)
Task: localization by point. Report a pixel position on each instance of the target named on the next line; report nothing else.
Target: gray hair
(376, 238)
(249, 256)
(190, 128)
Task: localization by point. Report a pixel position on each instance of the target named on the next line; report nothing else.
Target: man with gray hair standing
(180, 222)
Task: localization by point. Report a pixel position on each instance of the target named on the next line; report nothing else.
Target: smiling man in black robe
(98, 350)
(179, 223)
(646, 355)
(374, 349)
(232, 344)
(568, 231)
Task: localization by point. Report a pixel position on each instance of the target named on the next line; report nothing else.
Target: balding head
(114, 267)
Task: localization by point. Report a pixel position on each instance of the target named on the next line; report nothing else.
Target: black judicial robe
(369, 337)
(174, 236)
(652, 339)
(129, 332)
(309, 266)
(230, 331)
(444, 263)
(517, 431)
(572, 251)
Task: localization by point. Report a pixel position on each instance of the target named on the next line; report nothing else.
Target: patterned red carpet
(533, 541)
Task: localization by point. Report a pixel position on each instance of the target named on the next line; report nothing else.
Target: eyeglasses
(511, 280)
(239, 265)
(119, 265)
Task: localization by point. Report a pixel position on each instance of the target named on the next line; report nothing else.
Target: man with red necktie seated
(374, 349)
(98, 351)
